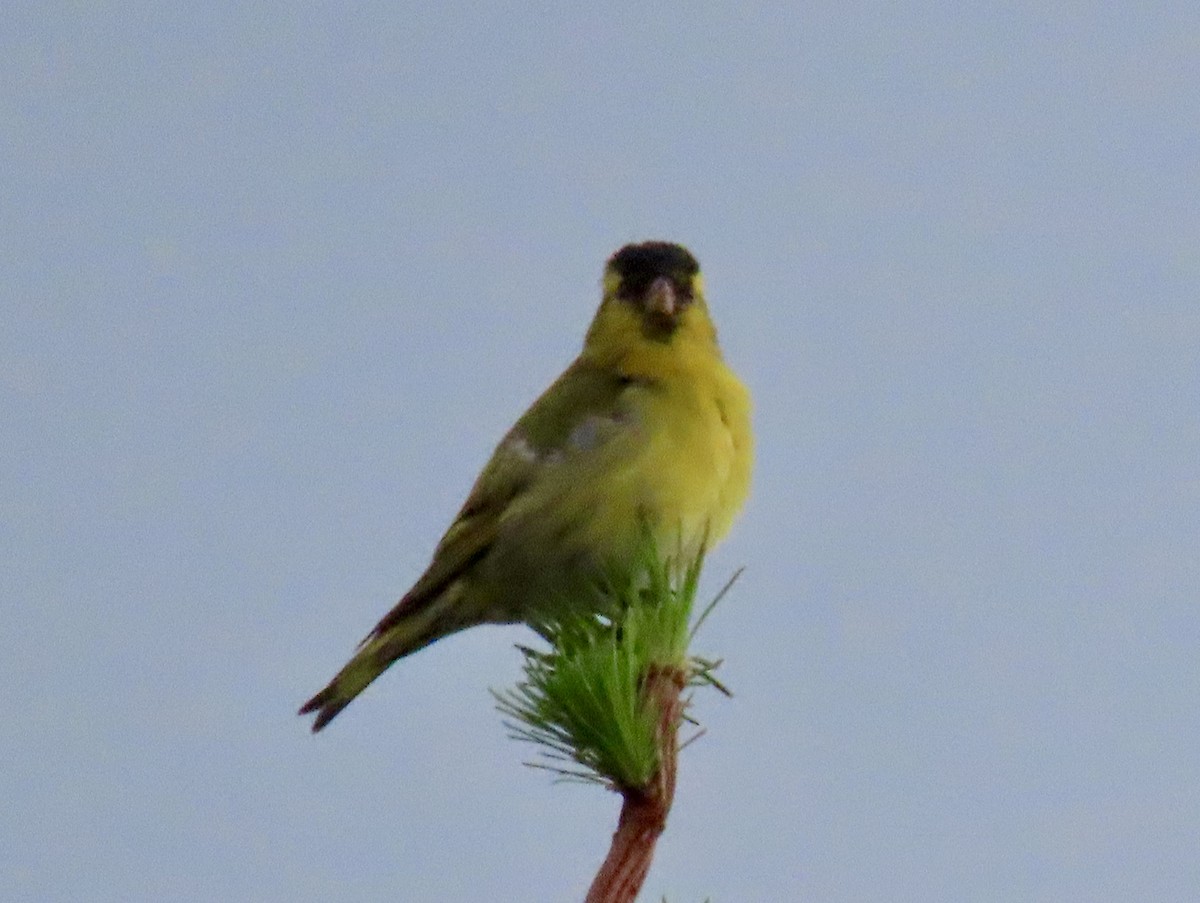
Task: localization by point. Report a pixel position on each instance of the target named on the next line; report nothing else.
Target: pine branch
(644, 810)
(605, 702)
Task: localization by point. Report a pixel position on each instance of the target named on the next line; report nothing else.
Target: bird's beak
(661, 298)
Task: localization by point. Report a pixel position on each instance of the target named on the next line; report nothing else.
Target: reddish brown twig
(644, 810)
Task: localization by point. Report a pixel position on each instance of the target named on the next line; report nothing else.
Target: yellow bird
(646, 428)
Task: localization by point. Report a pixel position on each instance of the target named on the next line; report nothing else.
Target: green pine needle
(581, 699)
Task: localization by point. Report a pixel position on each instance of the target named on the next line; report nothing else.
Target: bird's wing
(581, 411)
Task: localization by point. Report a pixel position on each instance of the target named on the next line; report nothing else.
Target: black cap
(639, 265)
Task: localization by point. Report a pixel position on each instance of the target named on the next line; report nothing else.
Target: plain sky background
(276, 277)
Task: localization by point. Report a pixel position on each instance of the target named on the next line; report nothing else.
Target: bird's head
(653, 293)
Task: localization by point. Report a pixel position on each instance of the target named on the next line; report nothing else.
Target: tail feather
(398, 635)
(350, 681)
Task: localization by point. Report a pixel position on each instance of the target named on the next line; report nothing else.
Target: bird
(646, 430)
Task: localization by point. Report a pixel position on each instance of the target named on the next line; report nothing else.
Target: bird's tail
(406, 629)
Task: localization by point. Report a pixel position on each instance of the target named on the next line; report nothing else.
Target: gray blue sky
(276, 277)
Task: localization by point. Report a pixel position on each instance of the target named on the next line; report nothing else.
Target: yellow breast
(697, 464)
